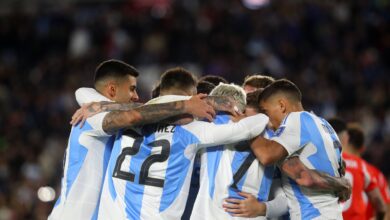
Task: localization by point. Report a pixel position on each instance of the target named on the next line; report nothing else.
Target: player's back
(148, 174)
(317, 145)
(225, 171)
(85, 163)
(361, 181)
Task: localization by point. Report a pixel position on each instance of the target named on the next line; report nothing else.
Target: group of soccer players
(261, 154)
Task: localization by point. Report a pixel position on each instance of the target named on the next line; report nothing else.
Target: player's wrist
(187, 106)
(261, 209)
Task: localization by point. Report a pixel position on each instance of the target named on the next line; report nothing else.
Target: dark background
(337, 52)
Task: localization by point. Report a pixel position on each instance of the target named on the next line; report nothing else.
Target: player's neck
(296, 107)
(351, 151)
(174, 92)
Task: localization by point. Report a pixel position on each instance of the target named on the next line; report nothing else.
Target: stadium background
(336, 51)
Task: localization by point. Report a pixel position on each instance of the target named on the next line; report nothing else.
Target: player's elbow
(132, 118)
(267, 160)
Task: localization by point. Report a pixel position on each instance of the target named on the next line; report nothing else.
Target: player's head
(279, 99)
(117, 81)
(356, 138)
(252, 105)
(231, 90)
(204, 87)
(254, 82)
(156, 91)
(215, 80)
(177, 81)
(340, 128)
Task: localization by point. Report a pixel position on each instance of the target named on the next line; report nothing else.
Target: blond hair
(232, 90)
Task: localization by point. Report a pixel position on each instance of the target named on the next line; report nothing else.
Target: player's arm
(285, 142)
(377, 202)
(296, 170)
(210, 134)
(268, 151)
(387, 216)
(93, 108)
(371, 188)
(148, 114)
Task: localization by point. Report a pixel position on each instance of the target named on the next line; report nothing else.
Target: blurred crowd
(337, 52)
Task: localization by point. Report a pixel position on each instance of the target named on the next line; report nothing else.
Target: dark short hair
(156, 91)
(213, 79)
(204, 87)
(115, 69)
(356, 136)
(252, 99)
(338, 125)
(284, 86)
(258, 81)
(177, 78)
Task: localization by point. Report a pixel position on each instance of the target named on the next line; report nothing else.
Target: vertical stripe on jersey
(335, 139)
(134, 191)
(269, 173)
(238, 159)
(266, 183)
(58, 200)
(175, 174)
(310, 133)
(116, 150)
(214, 156)
(77, 154)
(106, 158)
(308, 211)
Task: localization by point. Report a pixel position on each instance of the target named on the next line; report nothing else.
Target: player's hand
(344, 194)
(224, 104)
(86, 111)
(199, 108)
(249, 207)
(343, 166)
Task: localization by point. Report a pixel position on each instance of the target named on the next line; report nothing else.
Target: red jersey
(361, 181)
(383, 188)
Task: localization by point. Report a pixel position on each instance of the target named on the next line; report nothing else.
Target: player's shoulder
(371, 168)
(293, 117)
(352, 161)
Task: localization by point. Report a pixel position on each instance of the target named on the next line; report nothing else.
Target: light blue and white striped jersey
(226, 170)
(85, 162)
(311, 138)
(149, 173)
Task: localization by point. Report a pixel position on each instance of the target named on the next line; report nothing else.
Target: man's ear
(111, 90)
(282, 105)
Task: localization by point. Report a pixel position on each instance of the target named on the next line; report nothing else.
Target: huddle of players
(132, 161)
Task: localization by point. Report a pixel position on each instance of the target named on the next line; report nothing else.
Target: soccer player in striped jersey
(149, 171)
(89, 147)
(302, 136)
(228, 169)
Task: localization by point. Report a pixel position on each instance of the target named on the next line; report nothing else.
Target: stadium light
(46, 194)
(255, 4)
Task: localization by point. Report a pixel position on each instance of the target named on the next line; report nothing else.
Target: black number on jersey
(242, 170)
(118, 173)
(144, 174)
